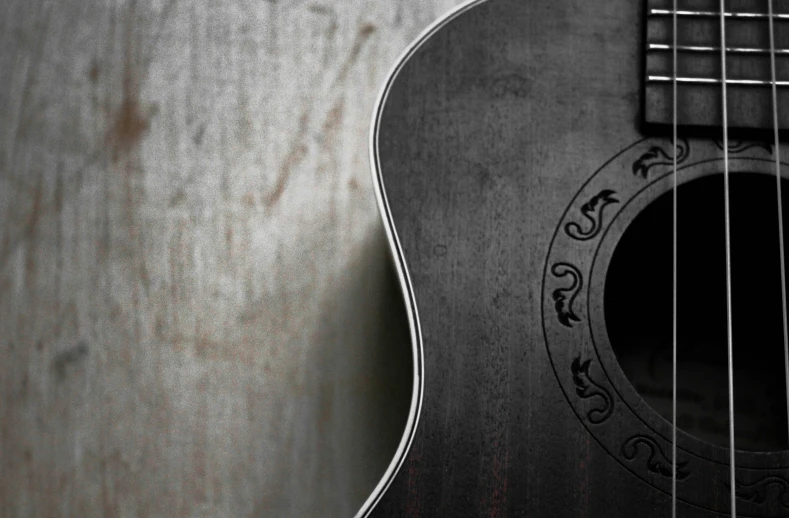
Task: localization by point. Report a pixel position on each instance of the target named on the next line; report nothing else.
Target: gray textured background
(197, 317)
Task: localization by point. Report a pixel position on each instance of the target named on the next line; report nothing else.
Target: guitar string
(729, 340)
(777, 156)
(674, 280)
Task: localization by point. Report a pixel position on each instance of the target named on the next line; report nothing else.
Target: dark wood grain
(489, 137)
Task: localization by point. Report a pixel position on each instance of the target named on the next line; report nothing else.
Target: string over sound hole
(638, 311)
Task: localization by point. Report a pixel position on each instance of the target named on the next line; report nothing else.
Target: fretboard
(748, 71)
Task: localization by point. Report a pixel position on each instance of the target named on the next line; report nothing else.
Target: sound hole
(638, 310)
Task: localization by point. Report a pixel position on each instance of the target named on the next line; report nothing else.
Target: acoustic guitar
(584, 204)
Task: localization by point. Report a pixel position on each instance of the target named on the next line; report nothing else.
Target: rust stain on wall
(333, 119)
(209, 348)
(93, 72)
(365, 31)
(130, 122)
(129, 128)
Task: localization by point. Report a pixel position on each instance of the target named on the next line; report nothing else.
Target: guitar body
(509, 162)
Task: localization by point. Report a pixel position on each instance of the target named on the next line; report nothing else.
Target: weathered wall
(196, 313)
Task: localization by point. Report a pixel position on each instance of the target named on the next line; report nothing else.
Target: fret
(711, 80)
(701, 48)
(713, 14)
(698, 68)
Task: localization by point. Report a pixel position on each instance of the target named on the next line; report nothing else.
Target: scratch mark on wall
(329, 13)
(163, 17)
(31, 77)
(35, 212)
(198, 137)
(70, 356)
(94, 71)
(296, 154)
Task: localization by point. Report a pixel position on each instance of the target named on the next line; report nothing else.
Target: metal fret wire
(777, 155)
(713, 14)
(674, 279)
(702, 48)
(713, 81)
(730, 342)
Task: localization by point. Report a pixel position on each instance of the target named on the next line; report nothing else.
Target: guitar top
(524, 164)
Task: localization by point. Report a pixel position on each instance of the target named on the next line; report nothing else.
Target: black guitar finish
(510, 163)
